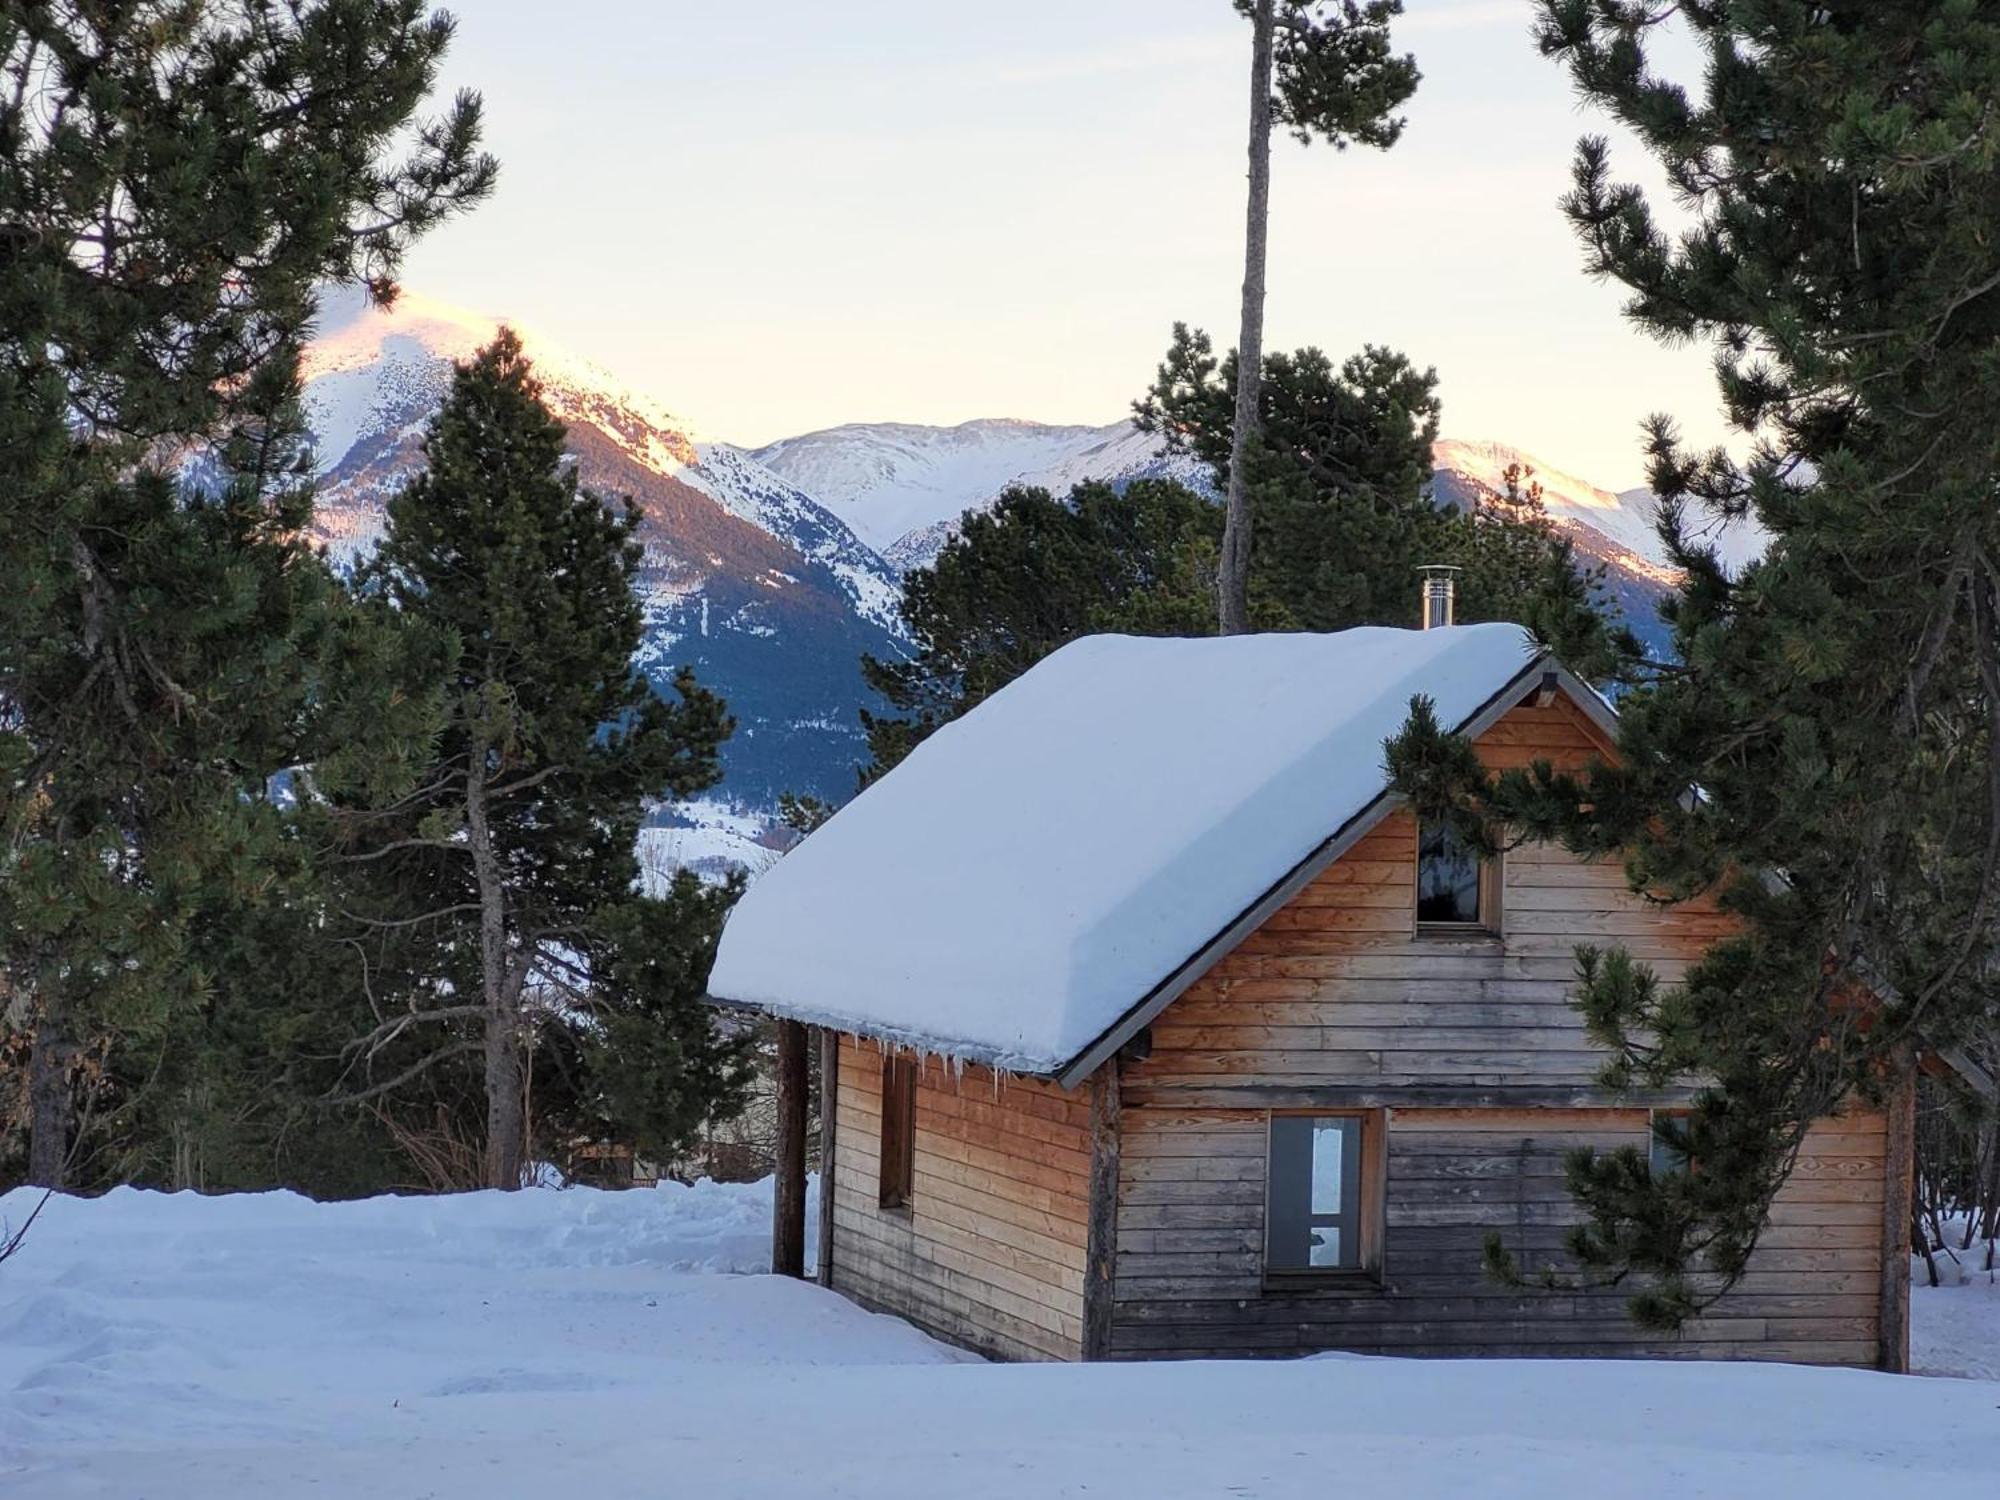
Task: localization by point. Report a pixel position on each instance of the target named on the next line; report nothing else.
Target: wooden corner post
(829, 1123)
(788, 1197)
(1101, 1243)
(1899, 1173)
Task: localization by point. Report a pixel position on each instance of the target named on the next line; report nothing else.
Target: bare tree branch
(11, 1245)
(388, 1085)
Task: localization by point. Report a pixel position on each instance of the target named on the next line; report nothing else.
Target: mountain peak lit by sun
(773, 570)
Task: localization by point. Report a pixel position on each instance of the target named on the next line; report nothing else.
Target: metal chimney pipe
(1440, 595)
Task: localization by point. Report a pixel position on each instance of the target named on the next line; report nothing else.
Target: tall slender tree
(512, 853)
(1324, 70)
(175, 181)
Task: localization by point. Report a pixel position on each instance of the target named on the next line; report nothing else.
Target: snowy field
(597, 1346)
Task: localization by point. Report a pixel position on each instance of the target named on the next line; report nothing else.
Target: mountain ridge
(772, 569)
(892, 480)
(763, 591)
(885, 477)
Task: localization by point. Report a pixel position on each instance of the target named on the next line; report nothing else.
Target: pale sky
(787, 214)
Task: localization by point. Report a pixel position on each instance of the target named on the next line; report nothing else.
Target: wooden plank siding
(1339, 987)
(1338, 1000)
(1191, 1229)
(990, 1252)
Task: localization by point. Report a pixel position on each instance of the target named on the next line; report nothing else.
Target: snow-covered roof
(1036, 869)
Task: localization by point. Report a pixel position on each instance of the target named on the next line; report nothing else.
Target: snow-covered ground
(1955, 1326)
(710, 836)
(596, 1345)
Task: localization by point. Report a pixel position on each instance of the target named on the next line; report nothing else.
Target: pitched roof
(1036, 870)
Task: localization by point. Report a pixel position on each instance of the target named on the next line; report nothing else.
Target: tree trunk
(1233, 575)
(788, 1201)
(49, 1105)
(1899, 1171)
(1100, 1256)
(1985, 1213)
(505, 1126)
(829, 1145)
(504, 1123)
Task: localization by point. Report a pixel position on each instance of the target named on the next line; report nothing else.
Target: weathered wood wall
(1191, 1227)
(1336, 989)
(1471, 1047)
(990, 1253)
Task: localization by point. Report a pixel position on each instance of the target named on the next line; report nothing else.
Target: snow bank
(488, 1347)
(172, 1320)
(708, 1226)
(1034, 869)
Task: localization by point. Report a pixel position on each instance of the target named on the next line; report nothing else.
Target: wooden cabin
(1154, 1026)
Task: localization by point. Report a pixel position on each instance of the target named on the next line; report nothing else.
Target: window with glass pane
(1313, 1218)
(1448, 878)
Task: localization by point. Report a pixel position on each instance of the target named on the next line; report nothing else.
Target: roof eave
(978, 1054)
(1967, 1070)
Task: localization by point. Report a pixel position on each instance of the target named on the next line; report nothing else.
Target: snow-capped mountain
(1625, 525)
(767, 594)
(771, 571)
(903, 488)
(1626, 520)
(1616, 530)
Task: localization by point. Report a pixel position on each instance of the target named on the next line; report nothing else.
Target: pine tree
(653, 1068)
(1323, 69)
(175, 180)
(511, 858)
(1342, 481)
(1826, 755)
(1029, 575)
(203, 912)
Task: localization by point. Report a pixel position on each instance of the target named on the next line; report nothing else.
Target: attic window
(1456, 889)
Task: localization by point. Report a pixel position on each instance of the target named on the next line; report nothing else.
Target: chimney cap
(1438, 601)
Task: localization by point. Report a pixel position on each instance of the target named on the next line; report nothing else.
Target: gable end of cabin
(1326, 1127)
